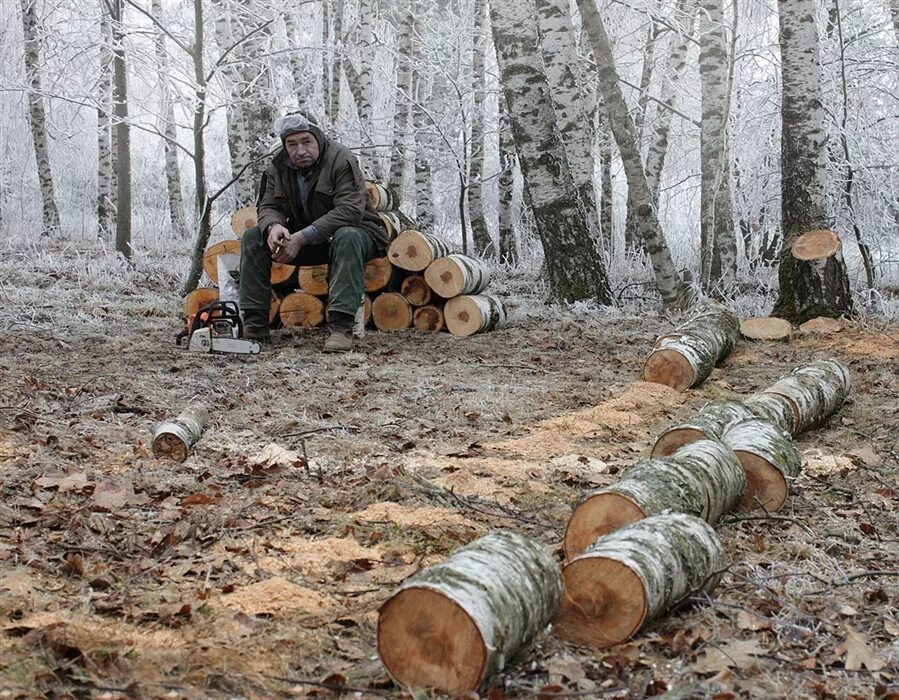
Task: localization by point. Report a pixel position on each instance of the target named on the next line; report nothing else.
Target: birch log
(416, 290)
(457, 274)
(710, 422)
(686, 357)
(452, 626)
(174, 439)
(313, 279)
(414, 251)
(774, 408)
(382, 196)
(815, 391)
(392, 223)
(391, 312)
(429, 318)
(628, 578)
(242, 219)
(703, 479)
(769, 459)
(302, 310)
(231, 250)
(378, 273)
(467, 315)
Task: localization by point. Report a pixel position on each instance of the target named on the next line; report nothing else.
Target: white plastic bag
(228, 290)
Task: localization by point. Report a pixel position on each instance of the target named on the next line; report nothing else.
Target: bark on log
(391, 312)
(820, 285)
(467, 315)
(429, 318)
(774, 408)
(686, 357)
(769, 458)
(392, 223)
(626, 579)
(243, 218)
(280, 272)
(301, 309)
(383, 197)
(416, 290)
(710, 422)
(452, 626)
(703, 478)
(313, 279)
(815, 391)
(175, 438)
(378, 273)
(414, 251)
(457, 274)
(366, 305)
(766, 328)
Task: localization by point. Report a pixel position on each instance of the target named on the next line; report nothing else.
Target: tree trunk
(457, 274)
(106, 186)
(327, 60)
(122, 134)
(452, 626)
(628, 578)
(302, 310)
(708, 424)
(508, 250)
(414, 251)
(424, 198)
(337, 11)
(483, 244)
(815, 391)
(299, 69)
(605, 199)
(575, 270)
(685, 357)
(391, 312)
(405, 56)
(37, 119)
(467, 315)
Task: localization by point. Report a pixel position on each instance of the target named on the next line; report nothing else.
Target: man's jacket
(337, 195)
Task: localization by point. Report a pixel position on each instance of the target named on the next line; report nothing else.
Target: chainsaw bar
(203, 340)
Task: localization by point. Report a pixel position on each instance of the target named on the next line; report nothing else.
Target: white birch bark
(424, 197)
(300, 70)
(709, 423)
(327, 62)
(105, 172)
(405, 30)
(122, 133)
(769, 458)
(816, 391)
(774, 408)
(508, 250)
(483, 245)
(365, 65)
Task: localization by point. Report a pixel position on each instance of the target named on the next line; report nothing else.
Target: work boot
(341, 328)
(255, 325)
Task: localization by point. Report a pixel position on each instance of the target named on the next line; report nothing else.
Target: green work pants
(346, 256)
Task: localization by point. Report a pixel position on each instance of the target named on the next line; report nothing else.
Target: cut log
(685, 358)
(274, 309)
(243, 219)
(416, 290)
(820, 281)
(366, 306)
(467, 315)
(708, 423)
(815, 391)
(626, 579)
(383, 197)
(198, 298)
(429, 318)
(301, 309)
(823, 325)
(392, 223)
(378, 273)
(769, 458)
(313, 279)
(774, 408)
(457, 274)
(230, 249)
(391, 312)
(766, 328)
(175, 438)
(703, 478)
(414, 251)
(452, 626)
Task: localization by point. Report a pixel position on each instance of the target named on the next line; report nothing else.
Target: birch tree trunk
(894, 15)
(327, 61)
(36, 117)
(366, 62)
(300, 69)
(337, 11)
(406, 29)
(106, 187)
(122, 133)
(803, 173)
(508, 250)
(575, 269)
(674, 292)
(424, 198)
(483, 245)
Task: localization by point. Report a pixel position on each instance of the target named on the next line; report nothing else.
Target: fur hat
(291, 124)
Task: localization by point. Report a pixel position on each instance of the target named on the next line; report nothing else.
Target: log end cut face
(301, 310)
(391, 312)
(815, 245)
(445, 277)
(169, 446)
(409, 251)
(675, 438)
(428, 641)
(243, 219)
(603, 604)
(229, 248)
(596, 516)
(766, 486)
(670, 368)
(428, 318)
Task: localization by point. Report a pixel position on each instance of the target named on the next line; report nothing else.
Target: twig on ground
(325, 429)
(740, 518)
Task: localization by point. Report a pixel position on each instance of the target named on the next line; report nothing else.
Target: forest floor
(256, 568)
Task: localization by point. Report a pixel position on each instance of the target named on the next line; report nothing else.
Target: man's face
(302, 149)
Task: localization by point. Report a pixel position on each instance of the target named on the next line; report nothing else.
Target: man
(314, 209)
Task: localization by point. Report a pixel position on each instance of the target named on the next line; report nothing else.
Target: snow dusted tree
(106, 184)
(300, 69)
(483, 245)
(508, 251)
(122, 138)
(574, 267)
(405, 29)
(424, 197)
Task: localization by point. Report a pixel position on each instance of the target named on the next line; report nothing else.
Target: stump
(457, 274)
(774, 408)
(391, 312)
(823, 325)
(301, 309)
(769, 459)
(467, 315)
(378, 272)
(452, 626)
(685, 358)
(820, 282)
(414, 251)
(627, 578)
(174, 439)
(243, 219)
(416, 290)
(815, 391)
(766, 328)
(708, 423)
(313, 279)
(429, 318)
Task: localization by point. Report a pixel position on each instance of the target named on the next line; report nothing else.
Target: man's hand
(290, 248)
(277, 238)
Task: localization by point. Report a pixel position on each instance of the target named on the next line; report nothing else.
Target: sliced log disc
(816, 391)
(457, 274)
(391, 312)
(687, 356)
(313, 279)
(630, 577)
(301, 309)
(175, 438)
(416, 290)
(428, 318)
(197, 298)
(708, 423)
(392, 223)
(452, 626)
(230, 248)
(243, 219)
(414, 251)
(766, 328)
(466, 315)
(769, 458)
(823, 325)
(378, 272)
(814, 245)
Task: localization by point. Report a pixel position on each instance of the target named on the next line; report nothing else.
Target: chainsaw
(217, 327)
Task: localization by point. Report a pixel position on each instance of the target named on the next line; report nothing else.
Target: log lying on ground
(378, 273)
(769, 459)
(301, 309)
(815, 391)
(820, 282)
(414, 251)
(627, 578)
(452, 626)
(457, 274)
(313, 279)
(243, 219)
(765, 328)
(685, 357)
(466, 315)
(391, 312)
(366, 309)
(175, 438)
(231, 248)
(703, 478)
(416, 290)
(429, 318)
(196, 299)
(383, 197)
(774, 408)
(708, 423)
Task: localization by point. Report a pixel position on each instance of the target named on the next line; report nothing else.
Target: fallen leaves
(737, 653)
(857, 652)
(113, 494)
